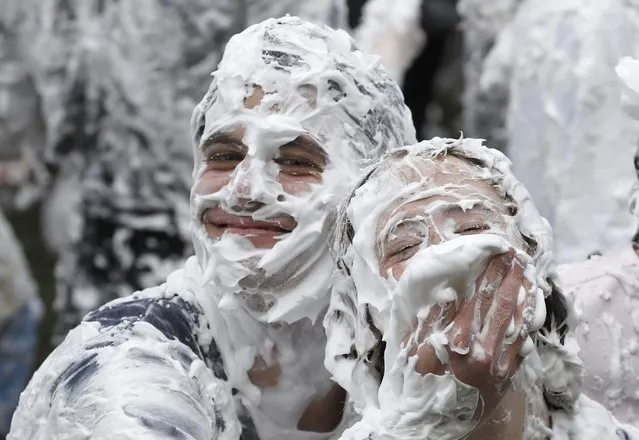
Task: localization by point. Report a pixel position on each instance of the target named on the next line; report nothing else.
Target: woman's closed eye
(471, 228)
(402, 248)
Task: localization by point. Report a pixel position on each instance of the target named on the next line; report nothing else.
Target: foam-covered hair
(321, 61)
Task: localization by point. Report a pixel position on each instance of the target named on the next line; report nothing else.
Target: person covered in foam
(546, 93)
(232, 345)
(429, 246)
(605, 289)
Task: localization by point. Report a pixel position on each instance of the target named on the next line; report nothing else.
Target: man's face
(229, 166)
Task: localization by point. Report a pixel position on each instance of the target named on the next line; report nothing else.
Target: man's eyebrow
(307, 144)
(222, 138)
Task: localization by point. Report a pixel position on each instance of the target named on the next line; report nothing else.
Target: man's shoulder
(171, 308)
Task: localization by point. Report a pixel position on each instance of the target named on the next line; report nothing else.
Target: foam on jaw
(367, 308)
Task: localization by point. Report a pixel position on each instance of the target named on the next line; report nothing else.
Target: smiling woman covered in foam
(429, 246)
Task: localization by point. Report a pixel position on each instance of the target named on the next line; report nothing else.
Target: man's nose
(246, 205)
(251, 182)
(241, 182)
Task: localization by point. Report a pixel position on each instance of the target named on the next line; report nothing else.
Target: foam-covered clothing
(590, 420)
(114, 374)
(552, 75)
(605, 290)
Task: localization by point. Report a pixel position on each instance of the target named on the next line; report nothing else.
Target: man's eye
(225, 157)
(472, 228)
(298, 166)
(295, 162)
(222, 159)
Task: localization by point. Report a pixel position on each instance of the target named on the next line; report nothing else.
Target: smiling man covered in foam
(429, 247)
(233, 344)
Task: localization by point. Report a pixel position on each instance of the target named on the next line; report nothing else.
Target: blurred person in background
(20, 312)
(481, 23)
(605, 291)
(415, 40)
(546, 93)
(101, 93)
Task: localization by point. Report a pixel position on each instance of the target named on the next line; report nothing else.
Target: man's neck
(304, 364)
(325, 413)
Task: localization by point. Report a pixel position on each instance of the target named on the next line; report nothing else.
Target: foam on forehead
(283, 54)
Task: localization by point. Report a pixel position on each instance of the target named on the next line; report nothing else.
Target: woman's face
(451, 200)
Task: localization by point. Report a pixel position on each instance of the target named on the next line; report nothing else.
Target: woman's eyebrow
(402, 221)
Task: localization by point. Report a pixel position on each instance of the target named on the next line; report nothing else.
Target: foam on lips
(221, 219)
